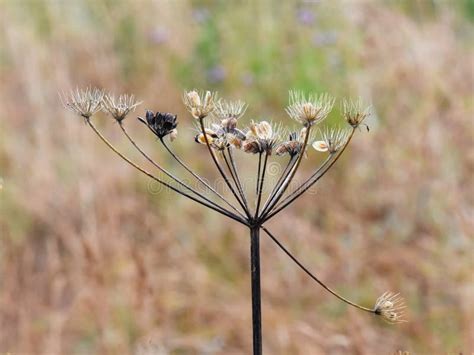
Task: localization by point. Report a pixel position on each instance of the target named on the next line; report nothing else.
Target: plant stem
(310, 274)
(256, 293)
(139, 168)
(218, 166)
(189, 170)
(260, 187)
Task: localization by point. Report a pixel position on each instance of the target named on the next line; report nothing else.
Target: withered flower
(293, 145)
(261, 137)
(84, 102)
(230, 109)
(228, 112)
(200, 105)
(161, 123)
(355, 112)
(390, 307)
(332, 140)
(309, 110)
(218, 139)
(119, 107)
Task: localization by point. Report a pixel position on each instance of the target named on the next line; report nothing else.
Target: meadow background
(94, 261)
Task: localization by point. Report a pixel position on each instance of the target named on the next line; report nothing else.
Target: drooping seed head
(390, 307)
(84, 102)
(311, 109)
(119, 107)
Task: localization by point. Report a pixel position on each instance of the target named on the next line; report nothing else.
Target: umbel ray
(217, 122)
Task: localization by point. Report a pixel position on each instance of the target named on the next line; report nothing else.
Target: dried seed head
(309, 110)
(218, 138)
(390, 307)
(332, 140)
(252, 146)
(260, 130)
(355, 112)
(84, 102)
(200, 105)
(293, 145)
(161, 123)
(261, 137)
(230, 110)
(119, 107)
(194, 98)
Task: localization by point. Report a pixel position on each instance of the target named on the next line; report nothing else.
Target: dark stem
(164, 171)
(139, 168)
(323, 169)
(258, 172)
(236, 173)
(260, 187)
(234, 178)
(256, 293)
(219, 168)
(291, 175)
(301, 189)
(189, 170)
(278, 184)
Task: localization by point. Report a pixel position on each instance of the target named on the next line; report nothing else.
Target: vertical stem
(256, 294)
(262, 178)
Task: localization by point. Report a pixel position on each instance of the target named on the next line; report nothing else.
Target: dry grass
(91, 262)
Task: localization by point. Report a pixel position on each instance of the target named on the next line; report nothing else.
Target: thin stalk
(310, 274)
(256, 291)
(316, 179)
(224, 212)
(304, 185)
(164, 171)
(189, 170)
(277, 186)
(234, 178)
(258, 172)
(236, 173)
(218, 166)
(290, 177)
(260, 188)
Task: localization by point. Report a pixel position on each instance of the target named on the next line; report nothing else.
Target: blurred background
(93, 260)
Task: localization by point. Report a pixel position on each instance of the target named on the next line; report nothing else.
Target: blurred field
(93, 262)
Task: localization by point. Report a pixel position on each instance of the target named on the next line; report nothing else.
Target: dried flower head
(261, 137)
(161, 123)
(200, 105)
(390, 307)
(260, 130)
(332, 140)
(218, 142)
(84, 102)
(355, 112)
(293, 145)
(226, 110)
(220, 138)
(119, 107)
(309, 110)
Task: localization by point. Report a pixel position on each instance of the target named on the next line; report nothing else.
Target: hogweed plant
(217, 122)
